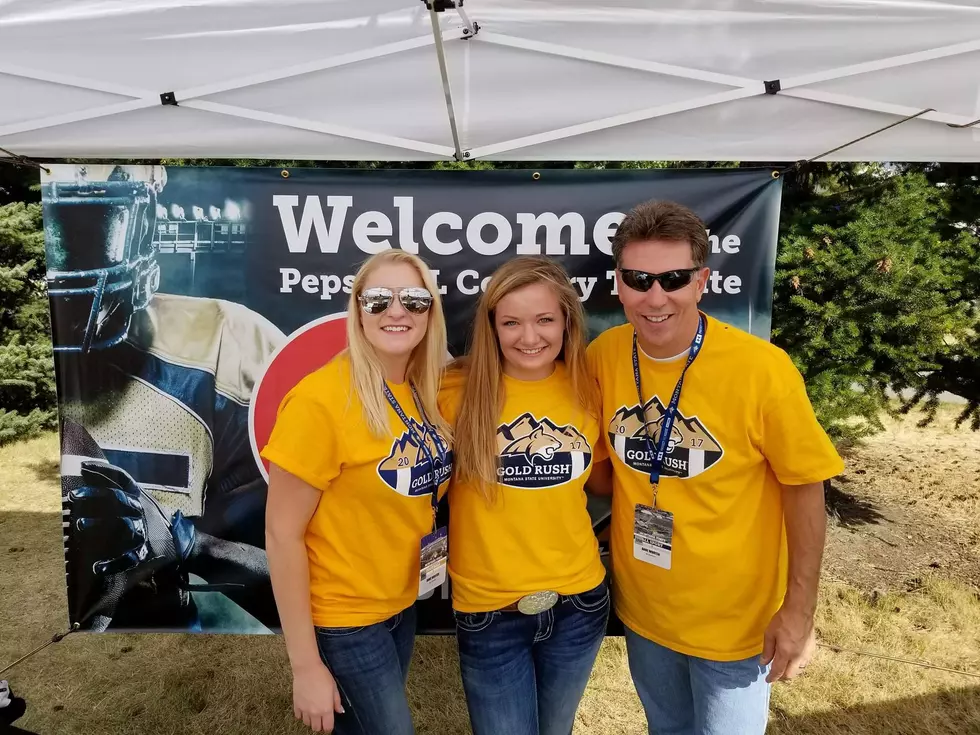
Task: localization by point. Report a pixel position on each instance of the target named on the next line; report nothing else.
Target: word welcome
(444, 233)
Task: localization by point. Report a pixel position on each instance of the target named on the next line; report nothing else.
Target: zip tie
(838, 649)
(54, 639)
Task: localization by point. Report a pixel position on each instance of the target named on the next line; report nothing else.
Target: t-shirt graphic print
(691, 448)
(406, 469)
(537, 453)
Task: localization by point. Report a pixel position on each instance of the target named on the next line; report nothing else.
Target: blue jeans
(525, 674)
(370, 666)
(685, 695)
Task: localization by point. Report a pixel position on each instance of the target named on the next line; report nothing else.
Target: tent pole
(444, 71)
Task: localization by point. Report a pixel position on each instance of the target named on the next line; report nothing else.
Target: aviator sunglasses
(669, 280)
(377, 300)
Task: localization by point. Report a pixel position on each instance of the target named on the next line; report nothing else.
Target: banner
(186, 302)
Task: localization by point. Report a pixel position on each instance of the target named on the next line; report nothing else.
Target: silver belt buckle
(537, 602)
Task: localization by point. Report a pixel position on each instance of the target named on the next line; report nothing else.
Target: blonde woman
(359, 455)
(529, 589)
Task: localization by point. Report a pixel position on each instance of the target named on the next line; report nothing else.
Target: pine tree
(27, 384)
(868, 294)
(958, 368)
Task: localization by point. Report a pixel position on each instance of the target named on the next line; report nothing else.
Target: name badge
(653, 531)
(435, 552)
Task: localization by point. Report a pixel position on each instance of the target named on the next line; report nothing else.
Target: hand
(790, 643)
(124, 527)
(316, 697)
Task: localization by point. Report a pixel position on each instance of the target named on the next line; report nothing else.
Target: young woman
(529, 589)
(358, 453)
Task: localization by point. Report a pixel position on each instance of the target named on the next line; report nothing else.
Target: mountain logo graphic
(537, 453)
(691, 448)
(406, 469)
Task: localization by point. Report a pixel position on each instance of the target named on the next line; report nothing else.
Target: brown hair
(476, 454)
(662, 220)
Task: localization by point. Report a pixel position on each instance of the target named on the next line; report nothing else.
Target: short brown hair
(662, 220)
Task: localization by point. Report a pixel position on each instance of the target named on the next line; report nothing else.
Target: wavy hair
(476, 455)
(426, 364)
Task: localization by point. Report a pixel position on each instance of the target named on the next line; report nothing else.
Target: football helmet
(99, 228)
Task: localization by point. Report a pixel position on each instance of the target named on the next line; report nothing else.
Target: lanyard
(436, 439)
(668, 420)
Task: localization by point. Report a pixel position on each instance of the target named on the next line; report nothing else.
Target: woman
(529, 589)
(356, 455)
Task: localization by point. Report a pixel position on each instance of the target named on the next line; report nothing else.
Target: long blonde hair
(425, 365)
(476, 455)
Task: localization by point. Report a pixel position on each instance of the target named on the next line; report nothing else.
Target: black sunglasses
(377, 300)
(669, 280)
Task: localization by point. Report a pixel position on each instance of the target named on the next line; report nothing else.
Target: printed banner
(186, 302)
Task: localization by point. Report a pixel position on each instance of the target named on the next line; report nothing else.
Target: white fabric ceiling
(540, 79)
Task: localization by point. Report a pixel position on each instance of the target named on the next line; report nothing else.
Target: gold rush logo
(406, 469)
(691, 448)
(537, 454)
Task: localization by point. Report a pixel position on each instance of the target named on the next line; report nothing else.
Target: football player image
(163, 502)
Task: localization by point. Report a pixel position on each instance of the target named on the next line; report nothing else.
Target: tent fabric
(538, 79)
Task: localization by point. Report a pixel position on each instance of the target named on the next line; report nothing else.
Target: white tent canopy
(524, 79)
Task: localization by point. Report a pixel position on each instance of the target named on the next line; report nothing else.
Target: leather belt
(534, 603)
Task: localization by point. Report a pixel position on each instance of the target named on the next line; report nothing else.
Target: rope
(16, 160)
(857, 140)
(54, 639)
(838, 649)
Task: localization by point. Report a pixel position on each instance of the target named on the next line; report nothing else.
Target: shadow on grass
(950, 712)
(48, 471)
(849, 511)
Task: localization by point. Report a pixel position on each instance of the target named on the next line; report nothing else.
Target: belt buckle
(537, 602)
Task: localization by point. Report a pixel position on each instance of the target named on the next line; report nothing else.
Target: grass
(201, 685)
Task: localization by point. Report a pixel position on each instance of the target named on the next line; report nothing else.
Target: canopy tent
(747, 80)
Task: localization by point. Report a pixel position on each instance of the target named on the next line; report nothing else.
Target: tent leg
(444, 71)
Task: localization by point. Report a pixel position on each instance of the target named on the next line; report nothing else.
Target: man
(158, 477)
(716, 548)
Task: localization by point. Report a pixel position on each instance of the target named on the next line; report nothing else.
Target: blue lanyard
(668, 420)
(431, 429)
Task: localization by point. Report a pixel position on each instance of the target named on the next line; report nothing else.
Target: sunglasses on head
(377, 300)
(669, 280)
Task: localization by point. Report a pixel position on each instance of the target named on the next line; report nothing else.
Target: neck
(685, 336)
(519, 373)
(395, 367)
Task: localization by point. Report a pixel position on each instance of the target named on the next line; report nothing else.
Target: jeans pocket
(393, 622)
(593, 600)
(474, 622)
(337, 632)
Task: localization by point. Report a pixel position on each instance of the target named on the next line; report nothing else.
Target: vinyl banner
(186, 302)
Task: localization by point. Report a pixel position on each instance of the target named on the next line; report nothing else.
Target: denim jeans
(525, 674)
(370, 666)
(685, 695)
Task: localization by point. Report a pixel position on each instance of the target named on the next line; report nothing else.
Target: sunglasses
(377, 300)
(669, 280)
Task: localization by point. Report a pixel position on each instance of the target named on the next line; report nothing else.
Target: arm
(241, 570)
(790, 640)
(290, 507)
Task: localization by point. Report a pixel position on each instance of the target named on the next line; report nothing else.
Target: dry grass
(177, 683)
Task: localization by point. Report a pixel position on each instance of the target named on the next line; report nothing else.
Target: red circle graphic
(308, 348)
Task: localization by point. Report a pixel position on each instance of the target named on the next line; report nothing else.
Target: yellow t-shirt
(537, 535)
(364, 540)
(744, 426)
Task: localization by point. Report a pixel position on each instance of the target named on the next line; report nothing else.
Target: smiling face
(665, 321)
(395, 332)
(530, 327)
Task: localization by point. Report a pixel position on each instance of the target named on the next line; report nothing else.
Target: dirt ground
(907, 505)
